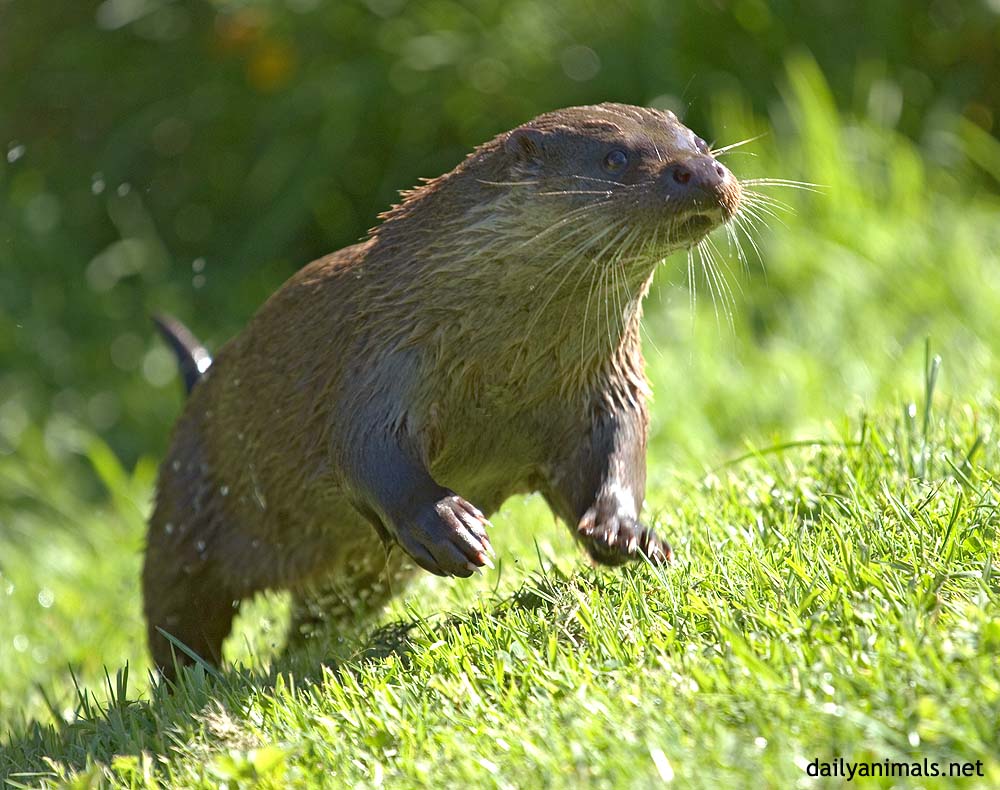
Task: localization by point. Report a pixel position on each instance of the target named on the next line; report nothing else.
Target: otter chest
(488, 448)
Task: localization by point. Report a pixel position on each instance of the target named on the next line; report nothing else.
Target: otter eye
(615, 160)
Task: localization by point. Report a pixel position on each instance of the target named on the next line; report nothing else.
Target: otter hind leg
(186, 599)
(188, 591)
(338, 604)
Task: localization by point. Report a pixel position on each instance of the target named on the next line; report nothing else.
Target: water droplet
(198, 265)
(21, 643)
(14, 152)
(124, 189)
(224, 490)
(200, 546)
(255, 543)
(198, 281)
(240, 436)
(97, 184)
(46, 598)
(168, 528)
(176, 466)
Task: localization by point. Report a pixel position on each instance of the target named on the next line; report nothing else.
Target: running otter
(482, 341)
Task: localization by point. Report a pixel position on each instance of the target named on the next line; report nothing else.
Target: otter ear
(525, 145)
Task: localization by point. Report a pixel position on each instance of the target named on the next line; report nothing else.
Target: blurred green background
(188, 156)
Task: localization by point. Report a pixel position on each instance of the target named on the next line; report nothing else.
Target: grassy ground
(830, 490)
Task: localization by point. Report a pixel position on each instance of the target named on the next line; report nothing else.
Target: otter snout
(703, 184)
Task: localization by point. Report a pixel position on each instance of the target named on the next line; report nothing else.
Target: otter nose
(700, 181)
(703, 173)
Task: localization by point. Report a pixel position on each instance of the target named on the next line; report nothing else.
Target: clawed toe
(449, 539)
(614, 539)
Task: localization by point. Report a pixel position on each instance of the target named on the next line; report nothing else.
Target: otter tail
(193, 358)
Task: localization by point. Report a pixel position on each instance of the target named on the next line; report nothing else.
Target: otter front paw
(614, 538)
(448, 538)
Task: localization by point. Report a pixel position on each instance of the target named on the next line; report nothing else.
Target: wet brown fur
(475, 330)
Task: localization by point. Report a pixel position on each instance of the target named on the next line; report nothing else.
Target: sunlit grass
(836, 596)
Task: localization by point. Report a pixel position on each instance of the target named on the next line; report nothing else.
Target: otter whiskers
(715, 152)
(753, 216)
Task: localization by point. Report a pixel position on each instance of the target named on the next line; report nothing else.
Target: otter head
(638, 173)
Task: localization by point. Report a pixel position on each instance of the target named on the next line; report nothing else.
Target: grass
(829, 486)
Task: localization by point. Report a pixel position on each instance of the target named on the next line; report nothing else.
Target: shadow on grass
(124, 732)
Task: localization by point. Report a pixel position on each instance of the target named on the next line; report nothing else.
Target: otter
(482, 341)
